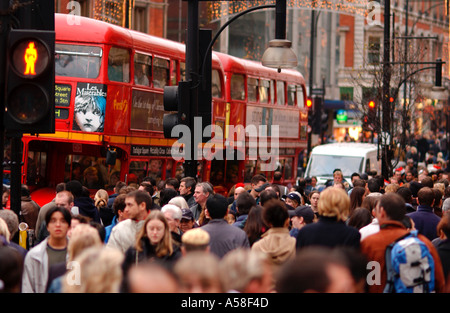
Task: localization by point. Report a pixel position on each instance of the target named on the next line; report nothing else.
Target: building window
(140, 19)
(346, 93)
(373, 51)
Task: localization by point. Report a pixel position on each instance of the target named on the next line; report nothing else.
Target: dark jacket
(106, 215)
(87, 208)
(225, 237)
(111, 200)
(328, 232)
(425, 221)
(190, 199)
(132, 256)
(29, 211)
(443, 249)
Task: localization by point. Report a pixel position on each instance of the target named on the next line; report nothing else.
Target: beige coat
(277, 244)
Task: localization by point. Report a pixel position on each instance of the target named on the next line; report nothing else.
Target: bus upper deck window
(264, 91)
(291, 95)
(237, 87)
(119, 65)
(142, 69)
(216, 86)
(280, 93)
(161, 75)
(300, 99)
(77, 61)
(252, 89)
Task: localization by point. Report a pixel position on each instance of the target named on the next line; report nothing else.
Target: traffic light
(30, 81)
(176, 99)
(317, 124)
(365, 123)
(438, 73)
(372, 112)
(309, 104)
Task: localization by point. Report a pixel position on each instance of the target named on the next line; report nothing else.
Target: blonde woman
(330, 230)
(154, 242)
(98, 270)
(101, 203)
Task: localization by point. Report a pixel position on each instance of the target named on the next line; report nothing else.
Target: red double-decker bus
(258, 97)
(109, 110)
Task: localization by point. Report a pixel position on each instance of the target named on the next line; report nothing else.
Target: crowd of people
(263, 237)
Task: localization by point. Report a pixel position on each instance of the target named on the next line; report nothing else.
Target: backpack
(409, 265)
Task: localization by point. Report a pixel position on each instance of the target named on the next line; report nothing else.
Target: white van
(349, 157)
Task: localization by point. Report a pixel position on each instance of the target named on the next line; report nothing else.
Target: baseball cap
(304, 211)
(294, 196)
(187, 214)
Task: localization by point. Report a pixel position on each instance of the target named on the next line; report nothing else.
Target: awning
(339, 105)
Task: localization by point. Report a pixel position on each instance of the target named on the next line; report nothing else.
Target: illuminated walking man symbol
(30, 59)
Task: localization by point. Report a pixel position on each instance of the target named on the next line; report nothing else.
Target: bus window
(138, 170)
(142, 69)
(267, 174)
(280, 93)
(300, 102)
(36, 167)
(237, 87)
(249, 170)
(252, 89)
(155, 169)
(288, 168)
(179, 171)
(216, 86)
(264, 90)
(91, 172)
(173, 73)
(77, 61)
(291, 95)
(182, 71)
(119, 65)
(232, 173)
(272, 92)
(161, 73)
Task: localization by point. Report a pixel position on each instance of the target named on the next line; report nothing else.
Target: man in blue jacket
(425, 220)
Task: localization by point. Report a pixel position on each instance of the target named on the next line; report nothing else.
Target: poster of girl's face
(90, 104)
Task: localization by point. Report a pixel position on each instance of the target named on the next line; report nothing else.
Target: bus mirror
(111, 156)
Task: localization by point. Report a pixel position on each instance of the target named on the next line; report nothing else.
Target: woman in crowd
(154, 242)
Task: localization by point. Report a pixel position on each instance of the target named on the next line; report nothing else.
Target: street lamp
(279, 53)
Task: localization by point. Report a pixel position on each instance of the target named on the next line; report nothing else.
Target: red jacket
(374, 247)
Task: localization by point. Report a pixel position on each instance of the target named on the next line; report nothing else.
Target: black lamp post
(386, 153)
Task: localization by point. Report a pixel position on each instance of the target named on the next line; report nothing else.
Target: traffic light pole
(192, 71)
(4, 30)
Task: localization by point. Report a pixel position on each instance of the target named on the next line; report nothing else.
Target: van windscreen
(324, 165)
